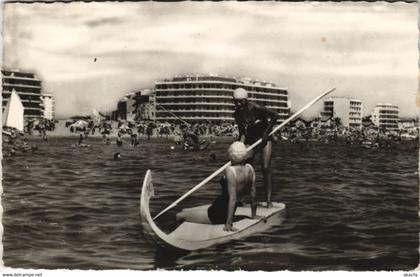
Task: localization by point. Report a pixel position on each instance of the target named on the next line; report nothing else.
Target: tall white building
(127, 109)
(49, 106)
(204, 98)
(28, 87)
(148, 106)
(348, 110)
(386, 116)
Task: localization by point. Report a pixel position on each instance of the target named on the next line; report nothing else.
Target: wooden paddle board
(192, 236)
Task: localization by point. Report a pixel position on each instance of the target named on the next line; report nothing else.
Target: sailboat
(13, 113)
(12, 120)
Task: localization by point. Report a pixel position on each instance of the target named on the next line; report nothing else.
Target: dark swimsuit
(218, 210)
(253, 122)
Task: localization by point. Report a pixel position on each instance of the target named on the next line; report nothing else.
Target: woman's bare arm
(231, 186)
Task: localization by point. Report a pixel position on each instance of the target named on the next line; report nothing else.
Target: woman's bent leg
(196, 216)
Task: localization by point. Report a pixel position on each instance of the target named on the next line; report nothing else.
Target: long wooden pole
(217, 172)
(174, 115)
(179, 118)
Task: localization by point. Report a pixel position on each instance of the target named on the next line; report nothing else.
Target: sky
(89, 55)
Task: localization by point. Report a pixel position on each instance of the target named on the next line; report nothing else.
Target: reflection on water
(348, 208)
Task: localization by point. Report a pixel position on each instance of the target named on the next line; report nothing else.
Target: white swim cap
(237, 152)
(240, 93)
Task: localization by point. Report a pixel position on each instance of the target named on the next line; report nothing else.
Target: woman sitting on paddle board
(239, 180)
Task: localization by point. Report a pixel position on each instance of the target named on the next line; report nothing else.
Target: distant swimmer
(117, 156)
(119, 140)
(212, 157)
(34, 148)
(134, 139)
(11, 153)
(81, 139)
(107, 140)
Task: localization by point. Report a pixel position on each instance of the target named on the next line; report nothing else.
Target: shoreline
(63, 132)
(170, 138)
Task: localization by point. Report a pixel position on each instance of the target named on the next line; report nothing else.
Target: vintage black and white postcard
(254, 136)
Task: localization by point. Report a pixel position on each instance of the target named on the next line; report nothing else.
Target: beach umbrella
(79, 124)
(124, 127)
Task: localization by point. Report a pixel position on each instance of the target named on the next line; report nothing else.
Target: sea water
(347, 208)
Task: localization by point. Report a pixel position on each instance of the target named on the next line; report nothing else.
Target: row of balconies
(201, 78)
(26, 97)
(169, 99)
(388, 122)
(18, 75)
(171, 96)
(21, 90)
(174, 108)
(388, 112)
(189, 111)
(32, 110)
(385, 118)
(18, 86)
(388, 126)
(193, 110)
(31, 101)
(20, 81)
(396, 117)
(387, 107)
(190, 78)
(195, 103)
(224, 95)
(26, 101)
(7, 93)
(218, 90)
(213, 84)
(224, 118)
(32, 105)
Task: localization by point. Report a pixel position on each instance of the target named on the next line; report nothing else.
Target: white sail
(13, 113)
(97, 116)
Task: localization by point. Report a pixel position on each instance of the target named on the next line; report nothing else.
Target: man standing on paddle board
(239, 181)
(254, 122)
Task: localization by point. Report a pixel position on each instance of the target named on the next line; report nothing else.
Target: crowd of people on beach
(155, 129)
(39, 125)
(180, 133)
(15, 141)
(191, 134)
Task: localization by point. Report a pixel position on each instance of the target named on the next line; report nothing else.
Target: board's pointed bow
(147, 192)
